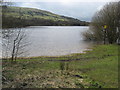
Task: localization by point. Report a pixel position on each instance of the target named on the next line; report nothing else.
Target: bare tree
(19, 44)
(109, 18)
(6, 36)
(14, 41)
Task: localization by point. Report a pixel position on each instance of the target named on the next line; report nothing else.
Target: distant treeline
(22, 17)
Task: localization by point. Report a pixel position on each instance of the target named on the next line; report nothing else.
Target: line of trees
(9, 22)
(105, 24)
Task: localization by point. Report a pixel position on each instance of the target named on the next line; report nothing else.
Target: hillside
(19, 17)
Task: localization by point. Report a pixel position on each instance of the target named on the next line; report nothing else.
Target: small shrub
(88, 36)
(62, 66)
(94, 84)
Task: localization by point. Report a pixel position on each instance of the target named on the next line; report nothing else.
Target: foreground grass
(94, 69)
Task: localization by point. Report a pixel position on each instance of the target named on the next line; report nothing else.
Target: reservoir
(56, 40)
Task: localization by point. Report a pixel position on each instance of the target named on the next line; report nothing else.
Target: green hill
(20, 17)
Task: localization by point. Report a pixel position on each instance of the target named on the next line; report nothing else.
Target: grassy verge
(94, 69)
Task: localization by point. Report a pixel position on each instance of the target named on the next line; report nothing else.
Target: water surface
(56, 40)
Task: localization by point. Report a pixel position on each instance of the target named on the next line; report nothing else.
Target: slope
(20, 16)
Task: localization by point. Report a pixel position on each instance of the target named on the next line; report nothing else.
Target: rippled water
(56, 40)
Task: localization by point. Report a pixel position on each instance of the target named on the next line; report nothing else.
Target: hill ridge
(20, 16)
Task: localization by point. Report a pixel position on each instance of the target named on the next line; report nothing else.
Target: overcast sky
(80, 9)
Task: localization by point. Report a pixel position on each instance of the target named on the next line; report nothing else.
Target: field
(94, 69)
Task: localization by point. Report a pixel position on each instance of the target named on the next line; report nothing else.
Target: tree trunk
(13, 52)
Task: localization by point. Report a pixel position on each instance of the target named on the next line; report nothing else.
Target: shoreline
(57, 56)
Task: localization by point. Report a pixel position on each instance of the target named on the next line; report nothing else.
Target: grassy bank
(94, 69)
